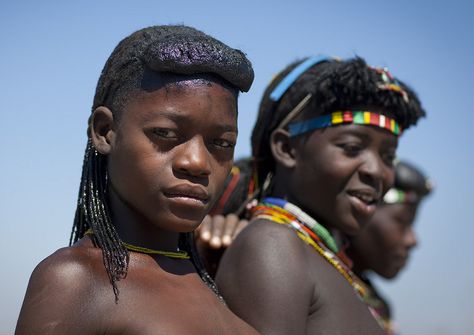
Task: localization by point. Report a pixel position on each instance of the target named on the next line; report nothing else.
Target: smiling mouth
(367, 197)
(364, 202)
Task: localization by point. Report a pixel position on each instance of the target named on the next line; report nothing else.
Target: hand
(219, 231)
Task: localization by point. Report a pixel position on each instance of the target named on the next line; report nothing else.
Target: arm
(56, 300)
(264, 278)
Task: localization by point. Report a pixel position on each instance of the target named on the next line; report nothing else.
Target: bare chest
(177, 305)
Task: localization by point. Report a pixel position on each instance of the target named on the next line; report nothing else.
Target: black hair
(167, 51)
(408, 177)
(334, 85)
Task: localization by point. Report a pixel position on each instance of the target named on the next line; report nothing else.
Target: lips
(364, 201)
(188, 194)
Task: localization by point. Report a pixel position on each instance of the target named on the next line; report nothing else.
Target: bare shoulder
(260, 251)
(263, 274)
(71, 267)
(269, 240)
(59, 291)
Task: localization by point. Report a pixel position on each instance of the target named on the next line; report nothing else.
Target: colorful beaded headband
(396, 196)
(351, 117)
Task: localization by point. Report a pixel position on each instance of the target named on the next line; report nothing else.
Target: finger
(204, 230)
(217, 229)
(240, 225)
(231, 222)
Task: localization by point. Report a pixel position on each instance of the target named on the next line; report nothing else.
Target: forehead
(190, 98)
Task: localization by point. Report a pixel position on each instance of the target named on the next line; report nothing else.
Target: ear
(282, 148)
(102, 129)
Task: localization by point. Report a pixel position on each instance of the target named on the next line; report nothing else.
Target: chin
(187, 225)
(388, 273)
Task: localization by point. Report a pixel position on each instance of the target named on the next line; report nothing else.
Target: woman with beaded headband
(160, 145)
(323, 149)
(382, 246)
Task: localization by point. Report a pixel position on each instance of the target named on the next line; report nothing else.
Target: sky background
(51, 56)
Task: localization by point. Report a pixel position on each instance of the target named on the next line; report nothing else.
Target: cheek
(136, 164)
(331, 168)
(386, 236)
(220, 171)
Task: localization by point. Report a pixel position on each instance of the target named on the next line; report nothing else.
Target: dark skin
(275, 281)
(385, 243)
(168, 156)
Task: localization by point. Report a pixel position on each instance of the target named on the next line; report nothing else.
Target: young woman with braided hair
(160, 145)
(323, 149)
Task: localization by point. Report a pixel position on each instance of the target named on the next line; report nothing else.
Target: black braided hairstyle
(167, 51)
(334, 85)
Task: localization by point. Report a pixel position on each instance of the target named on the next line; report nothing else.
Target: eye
(223, 143)
(165, 133)
(351, 149)
(389, 158)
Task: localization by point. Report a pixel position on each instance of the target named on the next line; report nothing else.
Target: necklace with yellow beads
(171, 254)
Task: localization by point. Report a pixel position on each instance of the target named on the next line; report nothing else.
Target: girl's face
(341, 173)
(385, 243)
(171, 152)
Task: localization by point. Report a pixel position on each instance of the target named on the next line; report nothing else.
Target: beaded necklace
(171, 254)
(379, 308)
(283, 212)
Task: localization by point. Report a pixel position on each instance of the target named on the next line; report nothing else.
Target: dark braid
(334, 85)
(167, 52)
(187, 242)
(92, 213)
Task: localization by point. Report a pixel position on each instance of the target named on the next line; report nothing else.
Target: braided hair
(167, 51)
(334, 85)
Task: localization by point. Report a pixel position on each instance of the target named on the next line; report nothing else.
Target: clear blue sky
(53, 51)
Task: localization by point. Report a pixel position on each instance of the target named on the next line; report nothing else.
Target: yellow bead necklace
(171, 254)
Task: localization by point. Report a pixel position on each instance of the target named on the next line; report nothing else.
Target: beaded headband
(396, 196)
(346, 117)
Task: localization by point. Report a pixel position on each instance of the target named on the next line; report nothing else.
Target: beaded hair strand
(92, 212)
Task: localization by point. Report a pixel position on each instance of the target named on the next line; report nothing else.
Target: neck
(133, 228)
(358, 266)
(280, 190)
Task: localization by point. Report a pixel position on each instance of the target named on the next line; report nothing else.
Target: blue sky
(53, 52)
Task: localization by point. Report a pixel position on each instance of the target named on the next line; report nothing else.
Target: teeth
(364, 197)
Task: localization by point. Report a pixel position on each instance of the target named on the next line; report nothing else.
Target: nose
(376, 173)
(192, 158)
(410, 240)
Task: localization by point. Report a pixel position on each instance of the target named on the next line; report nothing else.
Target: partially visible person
(228, 217)
(322, 149)
(384, 245)
(160, 145)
